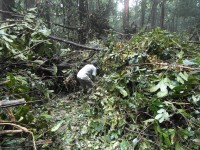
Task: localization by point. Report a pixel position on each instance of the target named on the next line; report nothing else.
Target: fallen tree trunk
(11, 103)
(73, 43)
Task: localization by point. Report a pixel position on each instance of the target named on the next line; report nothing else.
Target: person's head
(94, 62)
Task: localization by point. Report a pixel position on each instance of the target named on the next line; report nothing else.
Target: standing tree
(7, 6)
(126, 16)
(154, 12)
(162, 15)
(47, 13)
(83, 13)
(29, 3)
(143, 11)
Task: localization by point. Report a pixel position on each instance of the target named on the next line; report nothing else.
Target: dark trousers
(86, 83)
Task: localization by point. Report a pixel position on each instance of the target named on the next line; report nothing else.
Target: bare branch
(196, 42)
(11, 13)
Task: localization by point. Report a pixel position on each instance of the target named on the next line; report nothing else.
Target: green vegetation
(146, 95)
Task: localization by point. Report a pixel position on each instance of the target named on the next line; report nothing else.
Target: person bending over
(85, 74)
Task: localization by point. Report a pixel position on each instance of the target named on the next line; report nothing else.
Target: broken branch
(11, 103)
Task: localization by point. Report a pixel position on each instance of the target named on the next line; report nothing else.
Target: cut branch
(9, 26)
(11, 13)
(21, 129)
(16, 126)
(169, 66)
(73, 43)
(11, 103)
(10, 132)
(196, 42)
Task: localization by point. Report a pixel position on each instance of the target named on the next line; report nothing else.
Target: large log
(11, 103)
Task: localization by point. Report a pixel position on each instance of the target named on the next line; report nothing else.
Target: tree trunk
(162, 15)
(47, 14)
(82, 33)
(126, 16)
(153, 13)
(64, 13)
(7, 5)
(136, 11)
(29, 3)
(143, 11)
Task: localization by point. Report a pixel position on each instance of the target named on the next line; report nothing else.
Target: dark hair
(94, 62)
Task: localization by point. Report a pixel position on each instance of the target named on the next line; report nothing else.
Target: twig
(9, 26)
(4, 82)
(181, 103)
(21, 129)
(16, 126)
(11, 13)
(196, 42)
(10, 131)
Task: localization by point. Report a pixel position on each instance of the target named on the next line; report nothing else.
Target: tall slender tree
(83, 13)
(154, 13)
(7, 5)
(126, 16)
(47, 13)
(143, 11)
(162, 15)
(29, 3)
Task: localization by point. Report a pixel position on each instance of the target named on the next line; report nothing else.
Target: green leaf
(166, 138)
(158, 116)
(162, 115)
(56, 127)
(46, 116)
(149, 120)
(162, 85)
(124, 145)
(122, 91)
(161, 94)
(188, 62)
(155, 88)
(179, 79)
(178, 146)
(40, 62)
(184, 76)
(7, 39)
(45, 32)
(55, 69)
(180, 55)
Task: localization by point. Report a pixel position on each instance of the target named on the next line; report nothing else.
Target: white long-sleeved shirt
(87, 70)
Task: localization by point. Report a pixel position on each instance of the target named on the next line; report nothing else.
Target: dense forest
(146, 95)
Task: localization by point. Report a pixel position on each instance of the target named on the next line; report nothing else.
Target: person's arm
(94, 73)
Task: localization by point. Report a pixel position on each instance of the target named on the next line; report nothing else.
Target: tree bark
(7, 5)
(162, 15)
(29, 3)
(126, 16)
(143, 11)
(153, 13)
(47, 14)
(82, 32)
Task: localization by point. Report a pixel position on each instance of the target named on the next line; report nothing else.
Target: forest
(145, 96)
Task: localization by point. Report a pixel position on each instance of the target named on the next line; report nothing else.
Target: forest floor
(70, 113)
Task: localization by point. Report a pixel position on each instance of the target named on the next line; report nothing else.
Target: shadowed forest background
(147, 90)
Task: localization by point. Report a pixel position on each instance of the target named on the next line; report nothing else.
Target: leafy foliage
(142, 102)
(24, 49)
